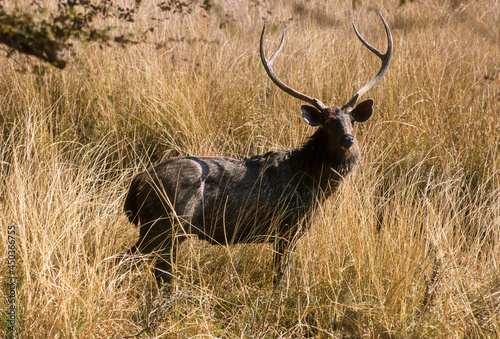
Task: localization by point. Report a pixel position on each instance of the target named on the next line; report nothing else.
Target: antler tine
(386, 59)
(268, 66)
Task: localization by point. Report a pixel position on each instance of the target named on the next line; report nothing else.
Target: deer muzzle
(346, 141)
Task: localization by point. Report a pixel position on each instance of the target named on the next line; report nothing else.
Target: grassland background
(408, 248)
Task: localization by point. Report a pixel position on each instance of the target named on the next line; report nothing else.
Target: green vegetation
(409, 247)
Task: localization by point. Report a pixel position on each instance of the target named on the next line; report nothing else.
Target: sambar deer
(264, 198)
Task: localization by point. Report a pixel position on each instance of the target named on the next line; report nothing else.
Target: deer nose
(346, 141)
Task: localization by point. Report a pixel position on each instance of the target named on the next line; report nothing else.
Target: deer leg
(283, 250)
(166, 258)
(163, 267)
(280, 247)
(159, 239)
(147, 239)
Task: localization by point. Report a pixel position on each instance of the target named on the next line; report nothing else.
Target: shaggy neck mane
(313, 157)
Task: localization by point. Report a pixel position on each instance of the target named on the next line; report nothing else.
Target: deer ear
(311, 115)
(363, 111)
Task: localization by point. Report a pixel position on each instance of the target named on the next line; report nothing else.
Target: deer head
(337, 122)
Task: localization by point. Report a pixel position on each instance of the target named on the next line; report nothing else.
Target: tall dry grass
(408, 247)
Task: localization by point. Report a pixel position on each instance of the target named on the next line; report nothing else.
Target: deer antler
(386, 59)
(268, 66)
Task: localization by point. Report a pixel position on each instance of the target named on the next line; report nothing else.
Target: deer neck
(324, 167)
